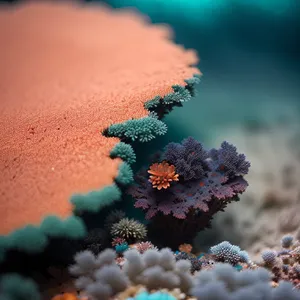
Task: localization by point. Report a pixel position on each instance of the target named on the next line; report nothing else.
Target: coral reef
(52, 148)
(285, 262)
(224, 282)
(101, 278)
(208, 181)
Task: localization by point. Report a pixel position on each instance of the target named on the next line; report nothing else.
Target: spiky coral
(205, 187)
(162, 174)
(225, 252)
(129, 229)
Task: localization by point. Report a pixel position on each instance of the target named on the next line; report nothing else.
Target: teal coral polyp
(153, 296)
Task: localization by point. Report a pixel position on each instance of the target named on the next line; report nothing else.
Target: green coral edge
(34, 239)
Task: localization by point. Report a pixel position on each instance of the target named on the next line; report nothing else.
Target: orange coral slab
(67, 72)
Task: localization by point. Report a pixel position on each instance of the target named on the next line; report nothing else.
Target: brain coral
(68, 72)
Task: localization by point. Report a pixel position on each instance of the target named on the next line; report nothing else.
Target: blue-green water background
(249, 57)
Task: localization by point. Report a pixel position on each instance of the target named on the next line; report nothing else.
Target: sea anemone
(129, 229)
(162, 174)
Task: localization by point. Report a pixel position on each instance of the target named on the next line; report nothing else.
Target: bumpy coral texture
(225, 283)
(225, 252)
(62, 83)
(204, 177)
(101, 278)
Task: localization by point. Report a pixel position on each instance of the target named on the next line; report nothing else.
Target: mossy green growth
(180, 94)
(33, 239)
(72, 227)
(191, 83)
(29, 239)
(95, 200)
(125, 152)
(16, 287)
(125, 175)
(143, 130)
(4, 245)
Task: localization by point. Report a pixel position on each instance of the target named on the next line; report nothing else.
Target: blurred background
(249, 95)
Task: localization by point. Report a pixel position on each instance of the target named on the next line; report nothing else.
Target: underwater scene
(150, 150)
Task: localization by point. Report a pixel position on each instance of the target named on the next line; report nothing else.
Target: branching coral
(189, 158)
(208, 181)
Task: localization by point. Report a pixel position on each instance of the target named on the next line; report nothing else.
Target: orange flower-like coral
(162, 174)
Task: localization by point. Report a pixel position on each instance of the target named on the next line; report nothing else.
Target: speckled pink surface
(66, 73)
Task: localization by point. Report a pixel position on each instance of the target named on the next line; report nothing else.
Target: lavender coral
(208, 181)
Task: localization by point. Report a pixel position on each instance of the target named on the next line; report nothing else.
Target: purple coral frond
(205, 177)
(227, 160)
(189, 158)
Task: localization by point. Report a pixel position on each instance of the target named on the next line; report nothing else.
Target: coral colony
(187, 187)
(125, 257)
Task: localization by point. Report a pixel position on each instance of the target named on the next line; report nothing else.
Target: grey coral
(224, 282)
(158, 269)
(100, 277)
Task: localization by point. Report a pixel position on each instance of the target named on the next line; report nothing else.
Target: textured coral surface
(67, 73)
